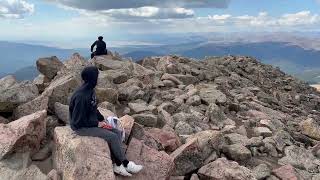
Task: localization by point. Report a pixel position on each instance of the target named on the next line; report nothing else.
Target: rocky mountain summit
(220, 118)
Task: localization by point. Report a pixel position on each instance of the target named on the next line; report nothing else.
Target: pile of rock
(219, 118)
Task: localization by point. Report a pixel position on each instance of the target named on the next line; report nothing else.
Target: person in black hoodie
(101, 47)
(86, 120)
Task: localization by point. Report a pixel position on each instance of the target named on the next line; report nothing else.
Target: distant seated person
(101, 47)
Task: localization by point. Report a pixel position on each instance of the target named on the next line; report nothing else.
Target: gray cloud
(15, 8)
(126, 4)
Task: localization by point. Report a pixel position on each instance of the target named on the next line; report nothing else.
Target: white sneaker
(133, 168)
(121, 170)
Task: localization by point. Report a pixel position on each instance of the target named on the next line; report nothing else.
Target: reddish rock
(286, 172)
(81, 157)
(127, 123)
(167, 139)
(158, 165)
(24, 134)
(187, 157)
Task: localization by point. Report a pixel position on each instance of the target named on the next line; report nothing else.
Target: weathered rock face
(22, 135)
(157, 165)
(18, 167)
(12, 95)
(62, 112)
(38, 104)
(81, 158)
(224, 169)
(107, 94)
(62, 88)
(49, 66)
(187, 157)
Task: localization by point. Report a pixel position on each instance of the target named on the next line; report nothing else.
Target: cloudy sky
(75, 23)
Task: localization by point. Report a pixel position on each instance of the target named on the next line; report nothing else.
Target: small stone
(286, 172)
(183, 128)
(261, 171)
(237, 152)
(149, 120)
(262, 131)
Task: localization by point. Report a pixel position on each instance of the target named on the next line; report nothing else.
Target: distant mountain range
(19, 59)
(15, 56)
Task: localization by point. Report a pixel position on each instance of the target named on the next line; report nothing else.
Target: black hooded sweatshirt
(83, 105)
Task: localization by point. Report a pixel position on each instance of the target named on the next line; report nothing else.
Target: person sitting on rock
(101, 47)
(86, 120)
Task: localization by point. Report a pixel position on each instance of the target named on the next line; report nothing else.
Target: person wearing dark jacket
(101, 47)
(86, 120)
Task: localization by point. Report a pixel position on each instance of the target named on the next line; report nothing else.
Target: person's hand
(102, 124)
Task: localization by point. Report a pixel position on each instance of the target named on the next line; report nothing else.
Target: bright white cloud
(148, 13)
(303, 18)
(127, 4)
(15, 8)
(300, 18)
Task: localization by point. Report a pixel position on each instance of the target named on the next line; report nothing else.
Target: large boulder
(24, 134)
(38, 104)
(209, 94)
(81, 158)
(208, 141)
(186, 79)
(49, 66)
(310, 128)
(17, 167)
(224, 170)
(237, 152)
(157, 164)
(168, 140)
(148, 120)
(76, 62)
(108, 63)
(187, 157)
(140, 107)
(107, 94)
(7, 82)
(127, 123)
(13, 95)
(62, 88)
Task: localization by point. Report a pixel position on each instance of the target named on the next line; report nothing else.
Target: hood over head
(90, 76)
